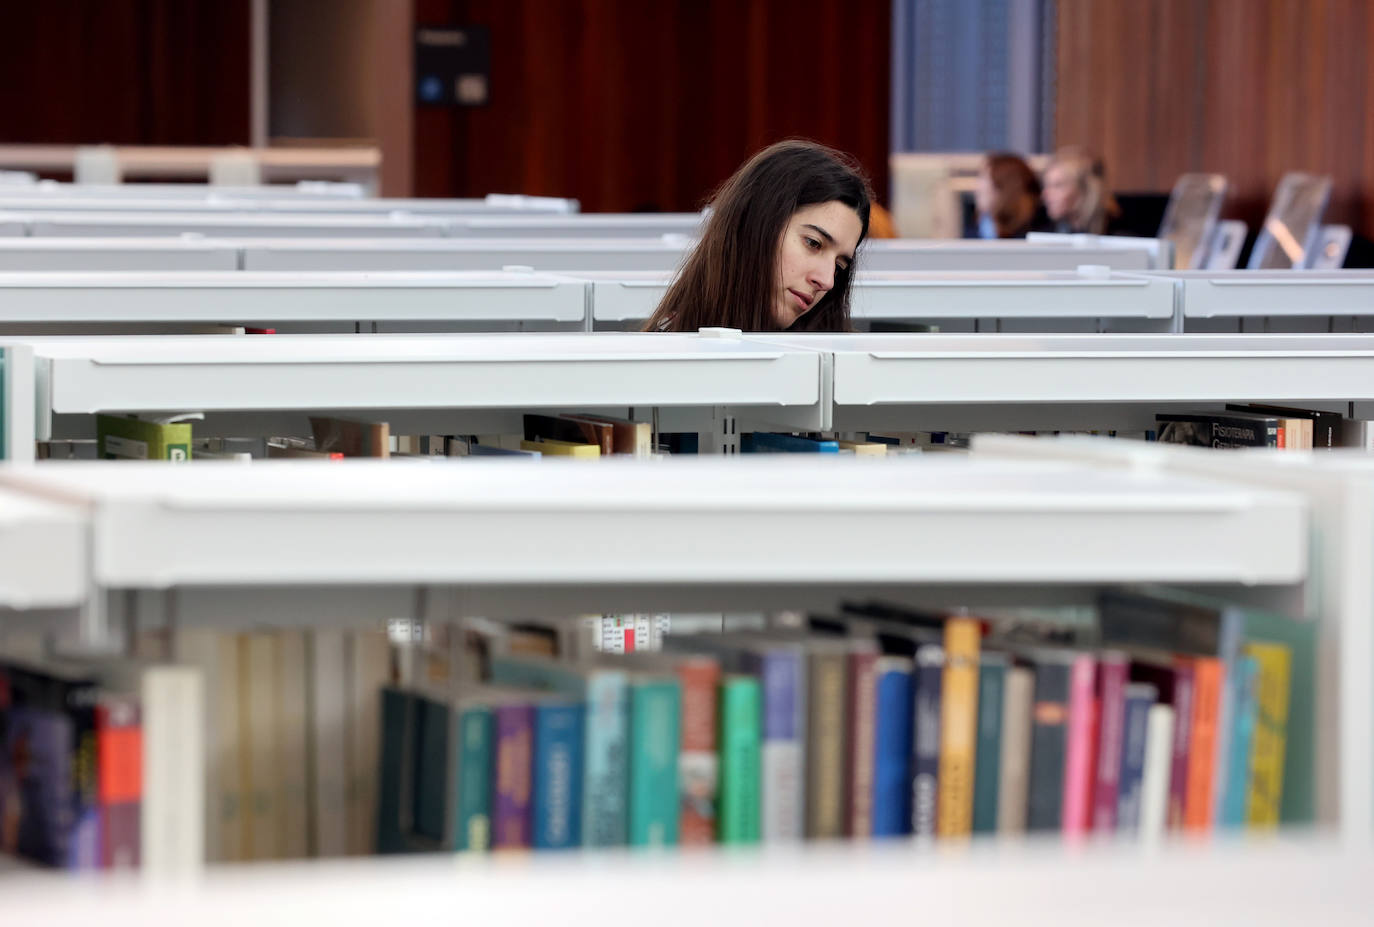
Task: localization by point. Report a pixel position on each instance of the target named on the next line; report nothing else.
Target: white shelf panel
(260, 225)
(948, 369)
(117, 254)
(543, 254)
(43, 552)
(1263, 884)
(1241, 293)
(692, 521)
(487, 371)
(242, 296)
(912, 254)
(938, 295)
(219, 200)
(586, 225)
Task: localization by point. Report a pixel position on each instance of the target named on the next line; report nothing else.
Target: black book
(1049, 739)
(1326, 426)
(1218, 429)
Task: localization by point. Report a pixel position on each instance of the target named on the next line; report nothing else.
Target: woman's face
(1060, 194)
(984, 193)
(818, 240)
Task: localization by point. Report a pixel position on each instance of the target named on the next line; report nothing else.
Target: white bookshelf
(485, 253)
(1160, 250)
(908, 254)
(44, 547)
(585, 225)
(38, 223)
(116, 254)
(235, 199)
(1261, 300)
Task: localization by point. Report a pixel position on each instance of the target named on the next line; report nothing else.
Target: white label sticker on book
(126, 448)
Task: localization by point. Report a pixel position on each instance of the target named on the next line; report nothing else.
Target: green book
(121, 438)
(987, 757)
(476, 737)
(738, 811)
(655, 739)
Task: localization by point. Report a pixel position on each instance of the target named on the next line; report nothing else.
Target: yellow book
(864, 448)
(1271, 726)
(561, 448)
(958, 728)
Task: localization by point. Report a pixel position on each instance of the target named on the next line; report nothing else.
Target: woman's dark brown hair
(1017, 193)
(728, 279)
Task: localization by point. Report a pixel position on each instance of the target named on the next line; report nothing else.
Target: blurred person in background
(1007, 198)
(1076, 196)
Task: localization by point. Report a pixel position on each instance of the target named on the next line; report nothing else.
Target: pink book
(1111, 690)
(1078, 753)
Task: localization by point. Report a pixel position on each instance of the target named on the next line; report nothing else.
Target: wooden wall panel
(133, 72)
(626, 104)
(1248, 88)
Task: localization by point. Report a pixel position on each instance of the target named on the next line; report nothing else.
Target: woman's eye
(813, 244)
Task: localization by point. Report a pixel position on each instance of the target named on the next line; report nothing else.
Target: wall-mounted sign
(452, 65)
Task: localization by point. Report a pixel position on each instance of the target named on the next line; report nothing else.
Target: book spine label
(1112, 697)
(862, 698)
(892, 755)
(1183, 731)
(1049, 735)
(119, 769)
(697, 765)
(958, 728)
(987, 753)
(1236, 792)
(930, 661)
(783, 760)
(1154, 788)
(1271, 731)
(655, 716)
(825, 747)
(476, 742)
(1078, 755)
(514, 748)
(740, 742)
(1208, 679)
(1135, 717)
(556, 810)
(1013, 783)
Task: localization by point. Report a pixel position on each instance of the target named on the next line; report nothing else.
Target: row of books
(876, 723)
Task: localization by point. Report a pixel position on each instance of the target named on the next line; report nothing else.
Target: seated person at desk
(777, 253)
(1007, 198)
(1076, 195)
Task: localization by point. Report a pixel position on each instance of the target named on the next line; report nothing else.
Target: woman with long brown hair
(1007, 197)
(778, 250)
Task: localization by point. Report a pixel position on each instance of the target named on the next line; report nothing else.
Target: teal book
(472, 759)
(556, 810)
(987, 767)
(738, 814)
(412, 787)
(655, 739)
(605, 740)
(1235, 799)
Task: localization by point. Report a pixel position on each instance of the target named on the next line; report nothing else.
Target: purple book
(36, 799)
(514, 762)
(1111, 681)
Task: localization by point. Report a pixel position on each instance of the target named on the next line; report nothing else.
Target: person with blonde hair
(1075, 193)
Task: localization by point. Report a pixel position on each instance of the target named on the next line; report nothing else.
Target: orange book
(1202, 746)
(697, 767)
(958, 728)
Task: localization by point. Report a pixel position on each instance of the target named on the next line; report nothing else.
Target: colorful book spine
(767, 442)
(1208, 680)
(119, 774)
(987, 770)
(556, 807)
(514, 749)
(825, 739)
(862, 698)
(1183, 738)
(738, 815)
(1271, 732)
(1013, 781)
(958, 728)
(1111, 687)
(475, 749)
(784, 760)
(925, 766)
(1049, 735)
(1078, 755)
(1231, 632)
(655, 716)
(1154, 787)
(892, 748)
(698, 767)
(1236, 791)
(1139, 697)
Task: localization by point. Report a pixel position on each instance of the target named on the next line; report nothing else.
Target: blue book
(1140, 696)
(925, 764)
(892, 748)
(556, 806)
(1235, 799)
(767, 442)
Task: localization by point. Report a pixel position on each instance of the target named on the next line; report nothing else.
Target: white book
(215, 654)
(329, 758)
(293, 791)
(1154, 787)
(171, 813)
(1013, 781)
(783, 793)
(369, 670)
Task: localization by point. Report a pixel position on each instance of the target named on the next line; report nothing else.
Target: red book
(863, 706)
(119, 779)
(1111, 691)
(1208, 677)
(697, 763)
